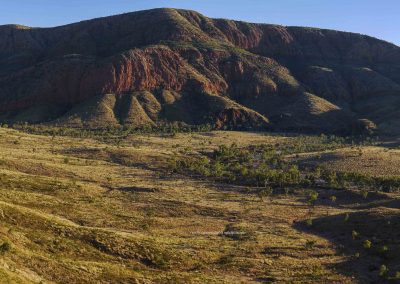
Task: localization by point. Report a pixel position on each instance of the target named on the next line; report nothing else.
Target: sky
(378, 18)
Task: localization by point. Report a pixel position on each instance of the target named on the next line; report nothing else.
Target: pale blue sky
(376, 18)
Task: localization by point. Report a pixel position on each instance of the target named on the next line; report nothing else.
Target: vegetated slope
(80, 210)
(168, 65)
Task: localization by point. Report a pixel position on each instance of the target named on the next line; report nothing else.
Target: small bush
(265, 192)
(309, 244)
(313, 197)
(226, 260)
(383, 249)
(367, 244)
(383, 271)
(364, 194)
(397, 275)
(5, 247)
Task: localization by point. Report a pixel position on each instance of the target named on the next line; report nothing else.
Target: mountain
(167, 65)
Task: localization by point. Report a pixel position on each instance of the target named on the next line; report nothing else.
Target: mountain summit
(167, 65)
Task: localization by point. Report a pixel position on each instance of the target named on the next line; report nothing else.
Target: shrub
(265, 192)
(218, 169)
(5, 247)
(312, 198)
(309, 244)
(383, 249)
(383, 271)
(397, 275)
(309, 222)
(367, 244)
(364, 194)
(226, 260)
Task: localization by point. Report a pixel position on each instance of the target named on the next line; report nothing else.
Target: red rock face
(136, 70)
(264, 68)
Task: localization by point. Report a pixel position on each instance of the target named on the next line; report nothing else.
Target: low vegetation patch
(268, 167)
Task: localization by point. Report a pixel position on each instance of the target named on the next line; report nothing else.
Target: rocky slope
(167, 65)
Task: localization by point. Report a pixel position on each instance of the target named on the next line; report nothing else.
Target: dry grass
(81, 211)
(371, 160)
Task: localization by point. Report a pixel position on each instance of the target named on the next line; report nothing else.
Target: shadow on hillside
(392, 144)
(350, 198)
(312, 161)
(379, 225)
(387, 203)
(133, 189)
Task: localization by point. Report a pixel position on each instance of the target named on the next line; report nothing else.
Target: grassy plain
(76, 210)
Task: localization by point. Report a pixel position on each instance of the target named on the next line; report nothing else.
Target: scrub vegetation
(195, 206)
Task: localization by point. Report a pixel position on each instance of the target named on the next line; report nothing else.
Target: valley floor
(83, 211)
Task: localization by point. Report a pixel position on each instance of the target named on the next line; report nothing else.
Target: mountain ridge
(293, 78)
(21, 26)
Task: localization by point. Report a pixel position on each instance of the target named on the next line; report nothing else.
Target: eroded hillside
(198, 71)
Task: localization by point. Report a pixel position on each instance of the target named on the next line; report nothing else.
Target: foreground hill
(87, 211)
(167, 65)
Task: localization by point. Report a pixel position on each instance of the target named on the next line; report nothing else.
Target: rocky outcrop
(168, 65)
